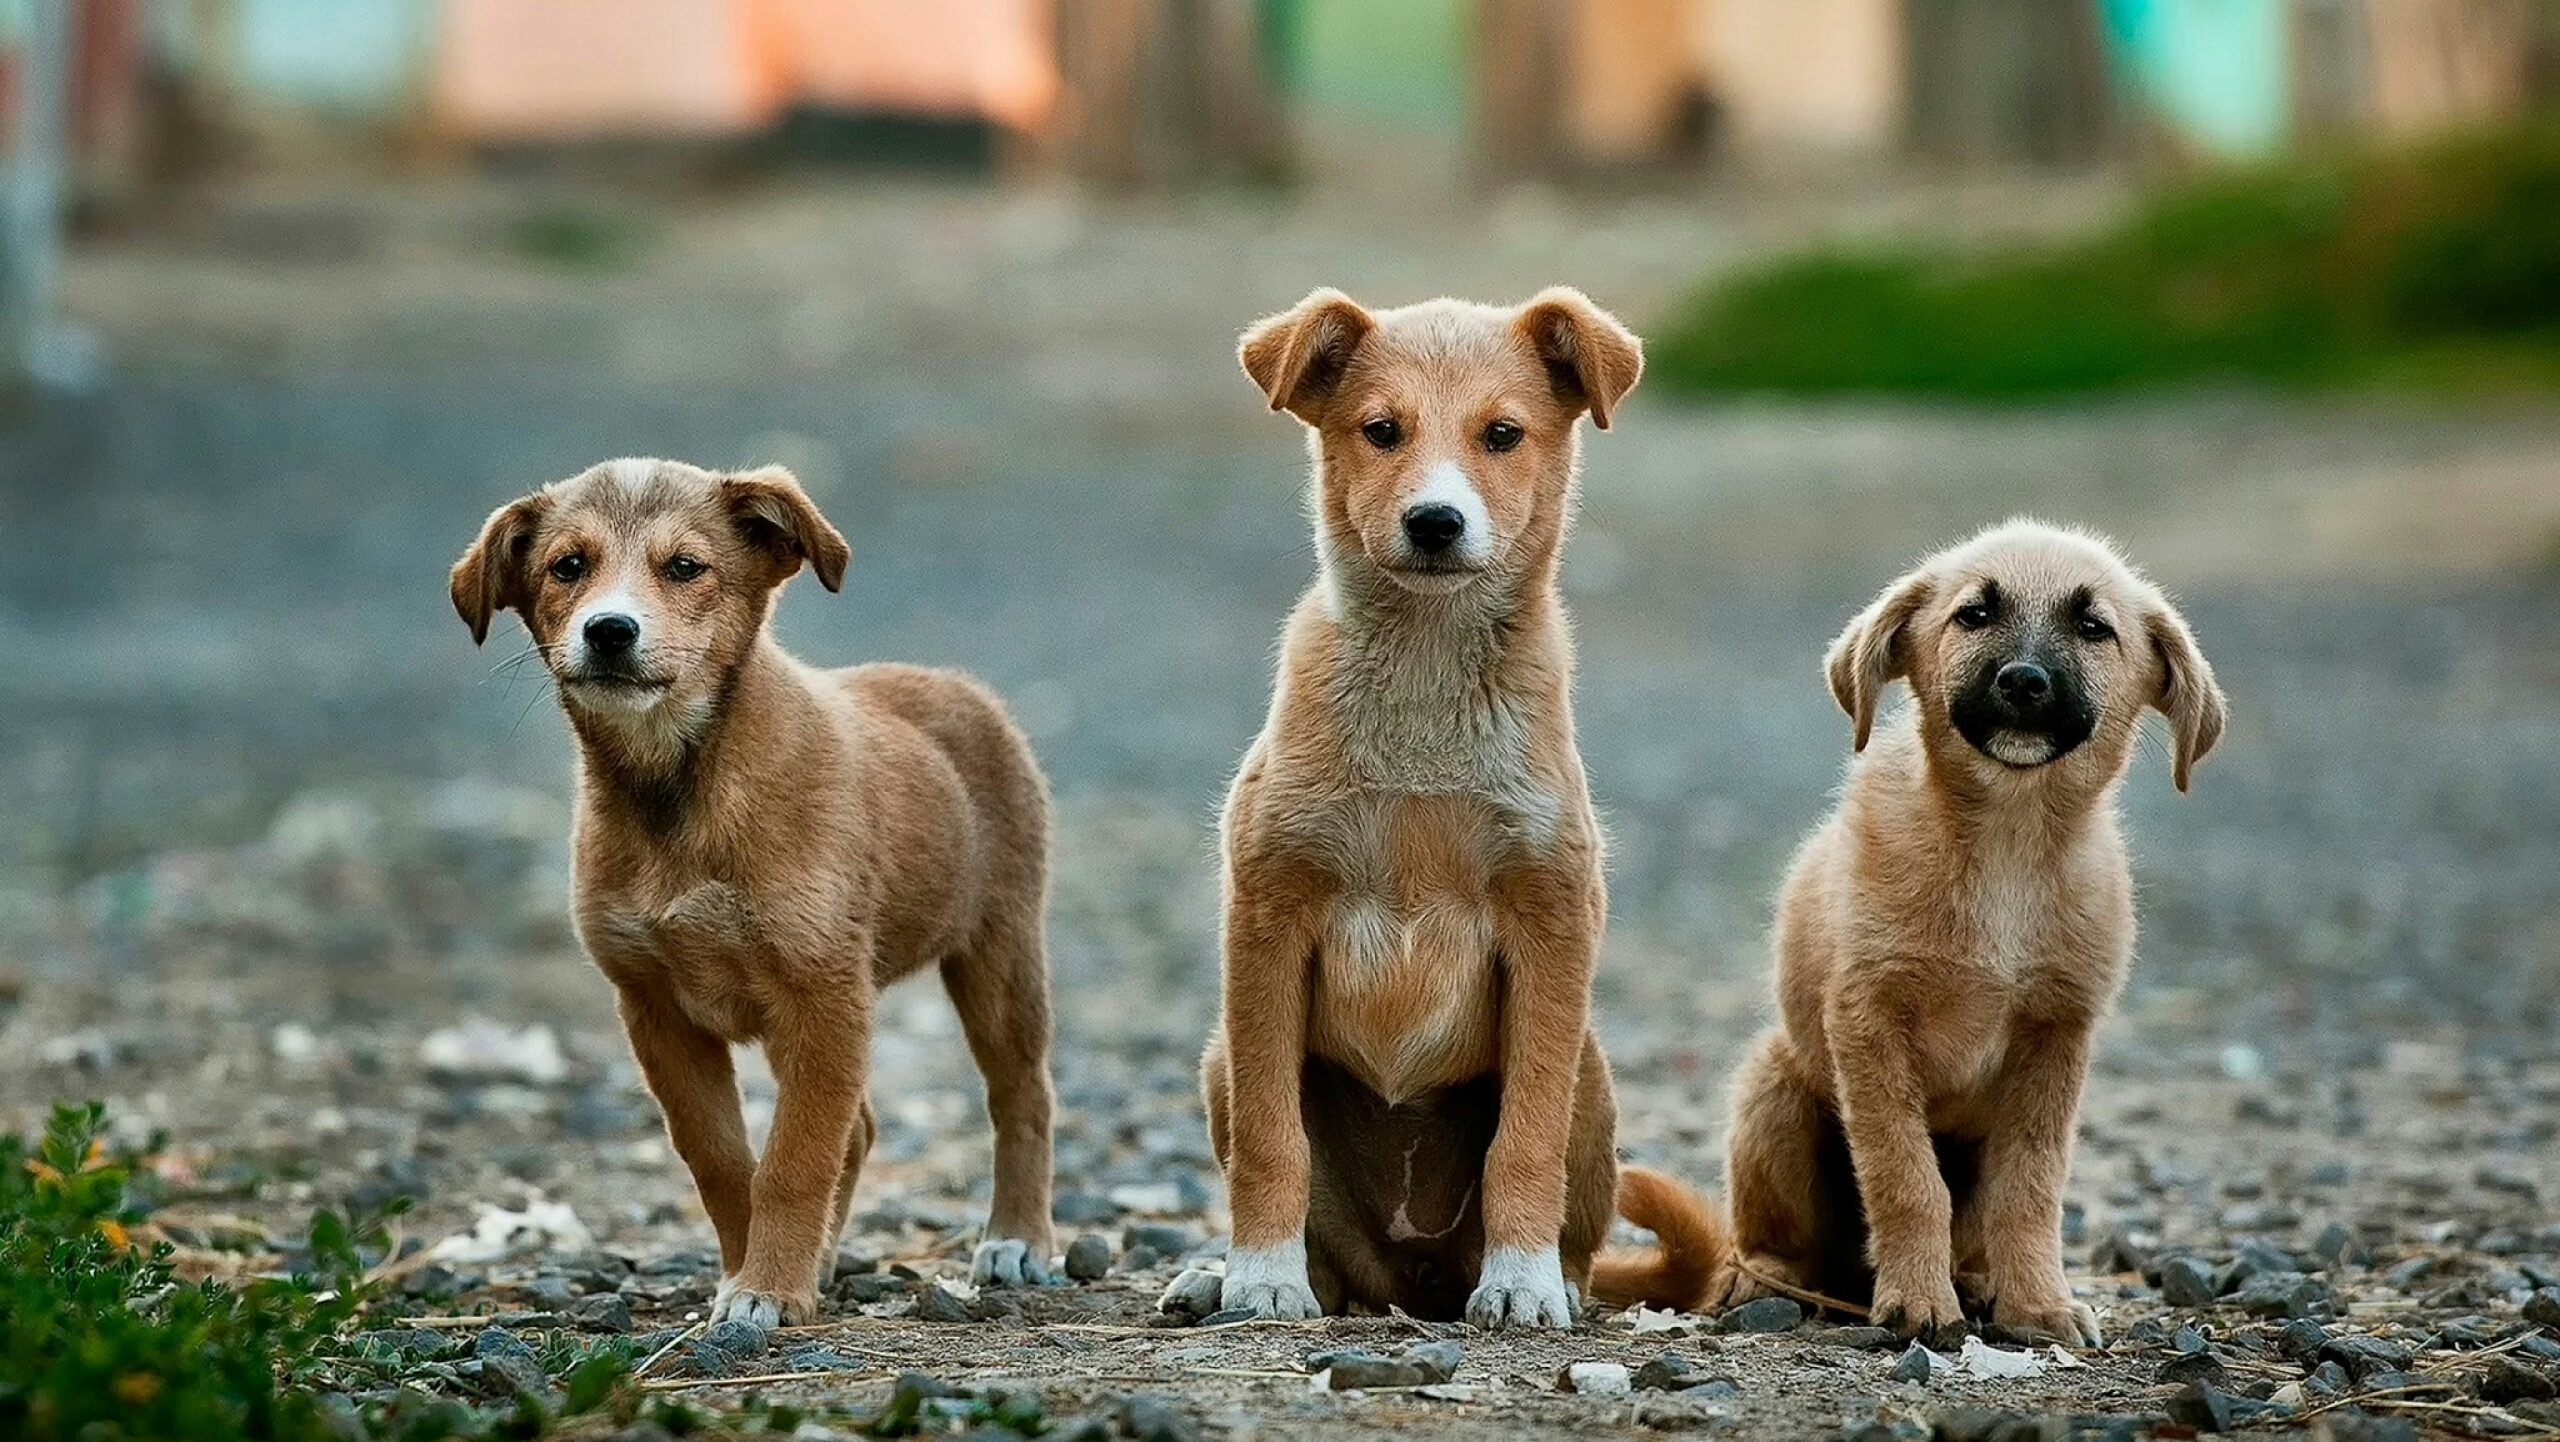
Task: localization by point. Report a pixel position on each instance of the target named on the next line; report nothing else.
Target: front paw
(1519, 1287)
(2049, 1310)
(1009, 1262)
(1918, 1311)
(762, 1307)
(1269, 1282)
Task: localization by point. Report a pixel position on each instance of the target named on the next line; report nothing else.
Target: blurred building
(1143, 93)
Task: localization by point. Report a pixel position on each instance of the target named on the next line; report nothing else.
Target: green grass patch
(2431, 270)
(100, 1341)
(579, 237)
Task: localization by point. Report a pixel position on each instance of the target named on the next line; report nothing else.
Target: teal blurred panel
(2214, 72)
(1402, 61)
(356, 55)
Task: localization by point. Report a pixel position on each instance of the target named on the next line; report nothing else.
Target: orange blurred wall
(560, 69)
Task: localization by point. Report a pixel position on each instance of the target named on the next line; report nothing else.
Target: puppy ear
(1299, 355)
(2188, 696)
(1872, 653)
(778, 515)
(1592, 359)
(491, 576)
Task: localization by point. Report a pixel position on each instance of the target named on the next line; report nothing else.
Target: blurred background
(296, 291)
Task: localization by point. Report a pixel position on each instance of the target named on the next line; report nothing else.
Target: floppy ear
(1298, 355)
(491, 577)
(2189, 696)
(1592, 359)
(778, 515)
(1872, 653)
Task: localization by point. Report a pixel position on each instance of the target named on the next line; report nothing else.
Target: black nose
(612, 633)
(2023, 683)
(1433, 527)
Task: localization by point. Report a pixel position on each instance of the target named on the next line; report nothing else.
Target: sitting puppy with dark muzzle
(1947, 942)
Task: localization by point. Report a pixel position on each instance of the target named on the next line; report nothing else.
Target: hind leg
(1001, 989)
(1782, 1222)
(1591, 1168)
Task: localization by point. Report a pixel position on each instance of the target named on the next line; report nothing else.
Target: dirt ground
(282, 840)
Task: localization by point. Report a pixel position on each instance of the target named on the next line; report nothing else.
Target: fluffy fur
(761, 845)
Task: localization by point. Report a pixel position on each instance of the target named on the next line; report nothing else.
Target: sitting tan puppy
(1403, 1089)
(760, 846)
(1947, 942)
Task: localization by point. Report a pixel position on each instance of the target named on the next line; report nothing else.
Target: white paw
(1521, 1288)
(1269, 1282)
(1007, 1262)
(736, 1304)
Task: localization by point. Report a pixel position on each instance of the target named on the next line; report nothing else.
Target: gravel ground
(284, 842)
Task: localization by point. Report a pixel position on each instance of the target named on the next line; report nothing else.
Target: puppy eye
(2093, 629)
(1501, 435)
(569, 568)
(682, 568)
(1977, 615)
(1383, 432)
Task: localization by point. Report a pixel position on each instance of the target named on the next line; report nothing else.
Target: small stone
(1439, 1359)
(1596, 1379)
(2506, 1381)
(1193, 1295)
(1861, 1339)
(602, 1312)
(739, 1338)
(866, 1288)
(2187, 1282)
(2329, 1379)
(1139, 1259)
(2118, 1252)
(1155, 1419)
(1163, 1238)
(2543, 1308)
(939, 1304)
(1669, 1372)
(1975, 1424)
(2282, 1294)
(511, 1376)
(1768, 1314)
(2338, 1247)
(1084, 1209)
(2302, 1339)
(1913, 1365)
(2403, 1275)
(2187, 1339)
(2206, 1409)
(1355, 1368)
(820, 1359)
(1089, 1258)
(2197, 1367)
(2363, 1356)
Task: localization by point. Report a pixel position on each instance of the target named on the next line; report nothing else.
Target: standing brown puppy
(760, 846)
(1948, 940)
(1403, 1088)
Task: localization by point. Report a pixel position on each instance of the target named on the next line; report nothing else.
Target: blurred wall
(1805, 75)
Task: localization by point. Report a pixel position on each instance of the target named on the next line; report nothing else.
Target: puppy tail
(1691, 1243)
